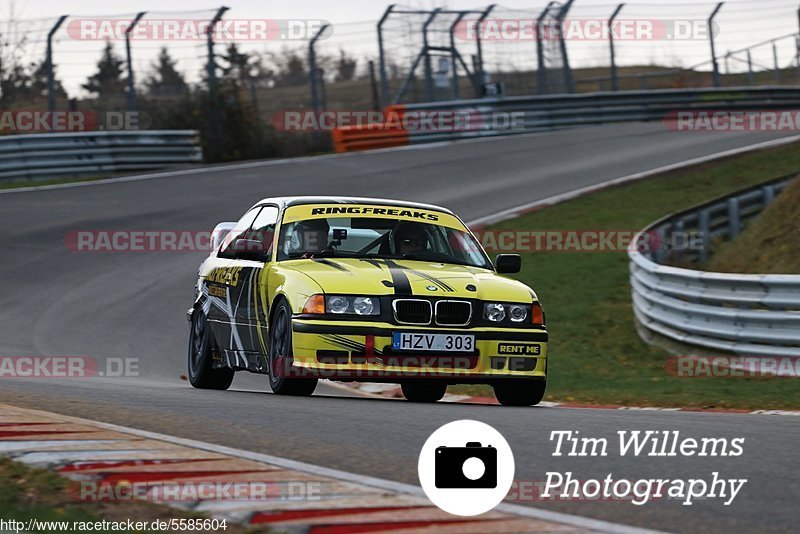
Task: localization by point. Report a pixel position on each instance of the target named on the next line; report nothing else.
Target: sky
(741, 23)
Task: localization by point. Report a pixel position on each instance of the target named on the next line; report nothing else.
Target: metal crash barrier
(58, 155)
(745, 314)
(488, 117)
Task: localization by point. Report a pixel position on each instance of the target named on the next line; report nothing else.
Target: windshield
(382, 238)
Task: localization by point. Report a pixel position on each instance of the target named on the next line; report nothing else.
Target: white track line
(379, 483)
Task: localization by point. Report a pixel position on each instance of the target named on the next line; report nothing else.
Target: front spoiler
(362, 352)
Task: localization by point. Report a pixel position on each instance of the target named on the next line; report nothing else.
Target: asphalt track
(58, 302)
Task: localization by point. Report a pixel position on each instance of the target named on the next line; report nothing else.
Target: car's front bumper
(362, 351)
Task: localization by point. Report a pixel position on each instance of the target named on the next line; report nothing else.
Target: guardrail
(57, 155)
(754, 315)
(543, 112)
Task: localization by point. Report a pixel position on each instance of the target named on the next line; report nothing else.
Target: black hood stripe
(333, 264)
(402, 287)
(374, 263)
(432, 279)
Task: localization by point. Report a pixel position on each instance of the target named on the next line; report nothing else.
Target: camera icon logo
(473, 466)
(466, 468)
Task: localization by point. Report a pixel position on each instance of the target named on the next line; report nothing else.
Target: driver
(309, 237)
(410, 237)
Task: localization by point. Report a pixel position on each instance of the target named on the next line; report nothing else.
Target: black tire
(280, 356)
(520, 392)
(423, 390)
(202, 374)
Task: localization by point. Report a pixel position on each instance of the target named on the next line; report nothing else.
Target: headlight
(517, 313)
(494, 312)
(342, 304)
(337, 305)
(364, 305)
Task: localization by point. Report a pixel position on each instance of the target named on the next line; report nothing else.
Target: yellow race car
(370, 290)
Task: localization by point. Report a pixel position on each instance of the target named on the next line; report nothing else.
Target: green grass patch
(596, 355)
(769, 244)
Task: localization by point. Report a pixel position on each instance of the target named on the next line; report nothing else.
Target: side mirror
(249, 249)
(508, 263)
(219, 234)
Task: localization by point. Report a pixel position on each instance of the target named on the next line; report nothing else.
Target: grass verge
(27, 493)
(596, 356)
(769, 244)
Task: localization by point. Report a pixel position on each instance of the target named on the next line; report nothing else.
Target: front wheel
(423, 390)
(520, 392)
(202, 374)
(280, 356)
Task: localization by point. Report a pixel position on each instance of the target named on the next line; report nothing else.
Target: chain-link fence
(235, 79)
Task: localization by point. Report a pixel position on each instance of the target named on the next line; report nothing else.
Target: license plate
(433, 342)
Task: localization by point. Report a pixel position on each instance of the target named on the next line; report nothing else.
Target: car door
(251, 312)
(224, 290)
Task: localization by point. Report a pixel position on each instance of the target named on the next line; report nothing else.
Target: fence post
(51, 91)
(131, 84)
(382, 57)
(714, 63)
(775, 64)
(569, 86)
(614, 84)
(426, 48)
(211, 68)
(480, 76)
(541, 73)
(454, 56)
(373, 82)
(313, 72)
(797, 54)
(750, 75)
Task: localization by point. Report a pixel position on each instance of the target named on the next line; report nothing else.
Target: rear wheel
(423, 390)
(280, 356)
(520, 392)
(202, 374)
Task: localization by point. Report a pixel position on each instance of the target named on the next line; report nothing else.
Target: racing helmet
(409, 232)
(308, 236)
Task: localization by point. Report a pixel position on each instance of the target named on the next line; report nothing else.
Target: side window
(241, 227)
(263, 229)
